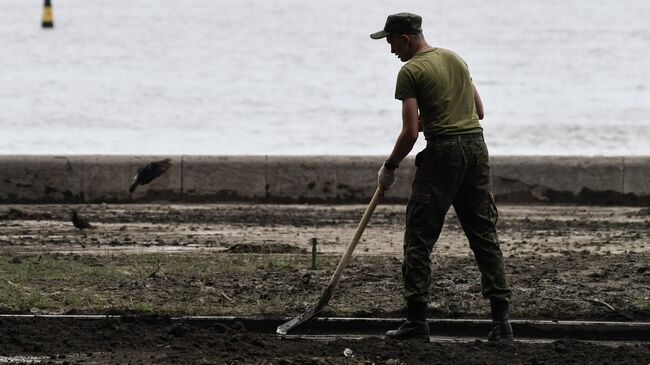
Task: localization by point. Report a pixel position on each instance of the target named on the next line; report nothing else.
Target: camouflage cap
(400, 23)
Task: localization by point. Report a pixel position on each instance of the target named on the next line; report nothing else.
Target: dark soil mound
(264, 248)
(17, 214)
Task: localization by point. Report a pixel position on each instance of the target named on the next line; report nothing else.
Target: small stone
(238, 327)
(177, 330)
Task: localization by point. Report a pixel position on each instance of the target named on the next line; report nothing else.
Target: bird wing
(153, 170)
(135, 182)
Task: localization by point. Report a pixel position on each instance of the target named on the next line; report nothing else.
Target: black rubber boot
(415, 327)
(501, 328)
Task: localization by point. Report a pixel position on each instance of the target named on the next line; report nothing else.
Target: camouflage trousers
(452, 173)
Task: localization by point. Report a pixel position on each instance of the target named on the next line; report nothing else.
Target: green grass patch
(217, 284)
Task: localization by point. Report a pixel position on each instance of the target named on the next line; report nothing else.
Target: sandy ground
(564, 262)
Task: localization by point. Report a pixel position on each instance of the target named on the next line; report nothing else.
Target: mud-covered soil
(538, 230)
(131, 340)
(581, 286)
(264, 248)
(562, 262)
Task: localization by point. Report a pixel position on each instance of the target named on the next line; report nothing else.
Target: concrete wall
(301, 179)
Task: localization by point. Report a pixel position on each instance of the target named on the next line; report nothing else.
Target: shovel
(345, 260)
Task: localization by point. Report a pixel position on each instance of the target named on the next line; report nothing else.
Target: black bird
(148, 173)
(79, 221)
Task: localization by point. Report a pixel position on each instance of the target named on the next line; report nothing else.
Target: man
(436, 89)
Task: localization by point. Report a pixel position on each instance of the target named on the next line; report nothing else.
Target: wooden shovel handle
(345, 260)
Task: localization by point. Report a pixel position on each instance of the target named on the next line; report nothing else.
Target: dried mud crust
(160, 341)
(523, 230)
(264, 248)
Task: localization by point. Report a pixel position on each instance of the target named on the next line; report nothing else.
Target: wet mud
(563, 262)
(523, 230)
(154, 340)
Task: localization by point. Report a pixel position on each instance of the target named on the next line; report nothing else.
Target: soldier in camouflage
(439, 98)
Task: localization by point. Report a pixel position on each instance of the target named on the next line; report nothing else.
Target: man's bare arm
(409, 134)
(478, 103)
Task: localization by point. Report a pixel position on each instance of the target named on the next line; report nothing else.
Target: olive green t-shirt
(439, 79)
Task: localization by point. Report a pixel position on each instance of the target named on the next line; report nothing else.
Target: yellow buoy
(48, 20)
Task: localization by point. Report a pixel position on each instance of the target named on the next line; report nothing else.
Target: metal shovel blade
(309, 314)
(295, 322)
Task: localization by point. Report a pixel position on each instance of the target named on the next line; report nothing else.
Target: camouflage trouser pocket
(418, 244)
(494, 213)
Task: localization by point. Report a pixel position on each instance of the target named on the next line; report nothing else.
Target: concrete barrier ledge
(621, 180)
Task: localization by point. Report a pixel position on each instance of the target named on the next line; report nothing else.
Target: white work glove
(385, 177)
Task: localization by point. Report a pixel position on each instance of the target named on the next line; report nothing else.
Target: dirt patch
(563, 263)
(265, 248)
(523, 230)
(575, 286)
(18, 214)
(157, 340)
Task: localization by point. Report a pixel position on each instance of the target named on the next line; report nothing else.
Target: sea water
(557, 77)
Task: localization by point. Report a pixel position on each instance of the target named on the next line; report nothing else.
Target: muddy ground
(141, 340)
(580, 287)
(564, 262)
(538, 230)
